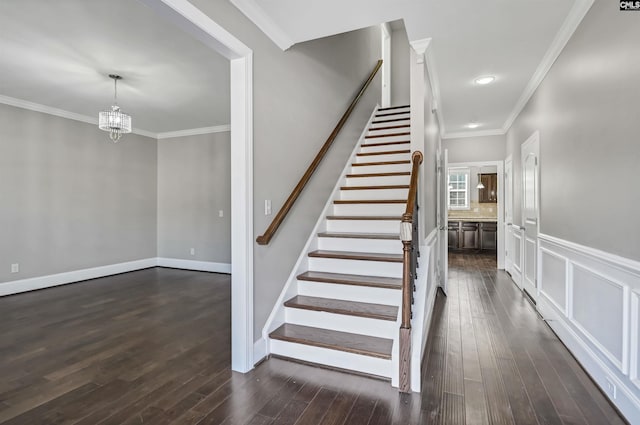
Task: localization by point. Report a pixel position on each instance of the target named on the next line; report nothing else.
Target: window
(458, 188)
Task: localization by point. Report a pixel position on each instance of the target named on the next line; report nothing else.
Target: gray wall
(70, 198)
(586, 110)
(400, 68)
(476, 149)
(430, 166)
(194, 183)
(299, 96)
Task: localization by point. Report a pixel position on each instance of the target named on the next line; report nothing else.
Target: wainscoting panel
(515, 251)
(591, 299)
(554, 275)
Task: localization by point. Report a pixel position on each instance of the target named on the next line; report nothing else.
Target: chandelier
(114, 120)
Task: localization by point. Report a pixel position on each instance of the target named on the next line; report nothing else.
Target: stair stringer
(290, 289)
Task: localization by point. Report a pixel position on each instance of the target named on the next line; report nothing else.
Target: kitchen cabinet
(472, 235)
(490, 192)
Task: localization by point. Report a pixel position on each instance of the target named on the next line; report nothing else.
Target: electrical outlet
(611, 388)
(220, 213)
(15, 268)
(193, 251)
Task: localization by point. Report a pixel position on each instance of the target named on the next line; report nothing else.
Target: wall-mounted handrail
(297, 190)
(409, 237)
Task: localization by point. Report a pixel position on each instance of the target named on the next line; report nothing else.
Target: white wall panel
(554, 276)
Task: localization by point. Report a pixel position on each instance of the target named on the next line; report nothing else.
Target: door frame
(385, 49)
(193, 21)
(442, 219)
(508, 219)
(500, 167)
(534, 139)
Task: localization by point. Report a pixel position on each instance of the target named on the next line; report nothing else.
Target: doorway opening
(475, 209)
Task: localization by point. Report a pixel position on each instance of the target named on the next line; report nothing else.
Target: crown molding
(259, 17)
(569, 26)
(475, 133)
(194, 131)
(49, 110)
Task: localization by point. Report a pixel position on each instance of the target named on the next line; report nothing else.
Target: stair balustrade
(409, 231)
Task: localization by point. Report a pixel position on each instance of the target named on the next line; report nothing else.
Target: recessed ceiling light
(483, 81)
(473, 125)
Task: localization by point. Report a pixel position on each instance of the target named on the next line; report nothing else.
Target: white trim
(625, 264)
(434, 81)
(569, 26)
(41, 282)
(260, 350)
(203, 266)
(598, 360)
(194, 131)
(626, 401)
(259, 17)
(476, 133)
(186, 16)
(37, 107)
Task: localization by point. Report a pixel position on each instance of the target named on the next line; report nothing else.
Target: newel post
(406, 234)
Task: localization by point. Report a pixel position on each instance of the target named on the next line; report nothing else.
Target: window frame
(467, 190)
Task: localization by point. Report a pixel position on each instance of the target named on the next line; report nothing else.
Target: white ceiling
(516, 41)
(59, 54)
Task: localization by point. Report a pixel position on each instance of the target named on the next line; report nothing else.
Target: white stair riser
(374, 194)
(364, 294)
(383, 148)
(383, 158)
(335, 358)
(383, 168)
(391, 115)
(364, 226)
(369, 209)
(383, 246)
(377, 181)
(362, 267)
(341, 322)
(386, 139)
(403, 109)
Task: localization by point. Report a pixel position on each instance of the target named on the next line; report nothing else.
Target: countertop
(475, 219)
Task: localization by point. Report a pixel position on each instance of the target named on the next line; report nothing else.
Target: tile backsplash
(477, 210)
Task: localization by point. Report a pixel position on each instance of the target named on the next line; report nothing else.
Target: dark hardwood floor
(153, 347)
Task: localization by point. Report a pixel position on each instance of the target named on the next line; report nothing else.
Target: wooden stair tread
(391, 186)
(391, 114)
(364, 164)
(364, 256)
(369, 201)
(398, 173)
(378, 136)
(391, 127)
(397, 152)
(388, 108)
(348, 308)
(334, 340)
(371, 145)
(363, 217)
(352, 279)
(385, 236)
(393, 120)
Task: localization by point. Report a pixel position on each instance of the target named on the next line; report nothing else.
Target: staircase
(342, 310)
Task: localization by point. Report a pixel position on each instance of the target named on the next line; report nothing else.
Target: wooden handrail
(409, 235)
(295, 193)
(407, 217)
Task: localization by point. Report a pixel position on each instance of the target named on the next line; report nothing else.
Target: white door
(508, 214)
(530, 212)
(442, 219)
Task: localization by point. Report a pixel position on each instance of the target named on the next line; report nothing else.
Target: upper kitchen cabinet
(490, 192)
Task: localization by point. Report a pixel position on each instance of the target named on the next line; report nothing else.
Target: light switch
(15, 268)
(267, 206)
(220, 213)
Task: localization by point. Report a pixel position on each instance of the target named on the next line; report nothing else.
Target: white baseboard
(259, 350)
(203, 266)
(41, 282)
